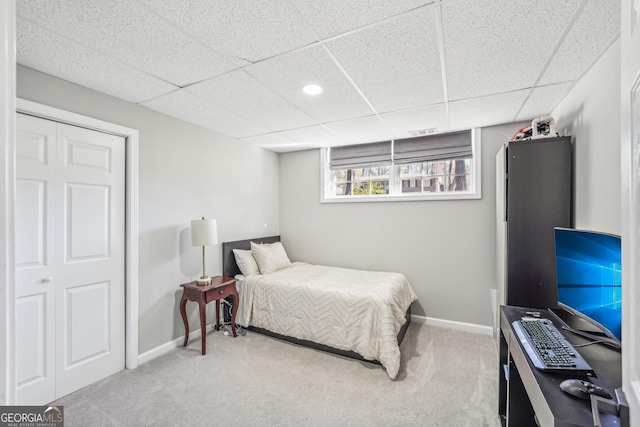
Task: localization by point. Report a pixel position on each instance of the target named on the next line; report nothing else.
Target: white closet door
(35, 280)
(90, 238)
(69, 258)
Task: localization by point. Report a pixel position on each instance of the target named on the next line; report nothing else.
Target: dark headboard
(229, 266)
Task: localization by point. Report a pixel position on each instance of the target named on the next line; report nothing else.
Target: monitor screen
(588, 267)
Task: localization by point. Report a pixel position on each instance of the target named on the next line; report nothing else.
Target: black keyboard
(548, 349)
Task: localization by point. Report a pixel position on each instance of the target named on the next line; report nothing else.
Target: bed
(354, 313)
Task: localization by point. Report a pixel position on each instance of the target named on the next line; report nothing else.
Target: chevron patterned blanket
(353, 310)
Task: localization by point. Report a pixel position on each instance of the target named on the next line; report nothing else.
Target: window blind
(361, 155)
(455, 145)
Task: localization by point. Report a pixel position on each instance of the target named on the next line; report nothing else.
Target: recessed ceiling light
(312, 89)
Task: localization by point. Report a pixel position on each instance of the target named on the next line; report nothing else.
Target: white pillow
(270, 257)
(246, 262)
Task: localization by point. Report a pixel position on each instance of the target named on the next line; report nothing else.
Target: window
(439, 167)
(362, 181)
(443, 176)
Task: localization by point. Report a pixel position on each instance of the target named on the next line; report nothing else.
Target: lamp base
(204, 280)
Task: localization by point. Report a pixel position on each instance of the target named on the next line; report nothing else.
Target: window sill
(399, 198)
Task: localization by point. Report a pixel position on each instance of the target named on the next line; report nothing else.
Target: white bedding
(354, 310)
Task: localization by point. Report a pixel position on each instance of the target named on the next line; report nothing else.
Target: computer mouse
(583, 389)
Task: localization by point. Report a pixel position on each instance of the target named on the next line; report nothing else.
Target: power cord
(590, 343)
(226, 326)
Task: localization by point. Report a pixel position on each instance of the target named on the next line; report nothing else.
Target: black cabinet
(537, 196)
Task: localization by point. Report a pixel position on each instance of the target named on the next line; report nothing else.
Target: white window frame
(327, 185)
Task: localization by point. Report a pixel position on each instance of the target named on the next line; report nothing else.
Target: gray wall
(185, 172)
(590, 113)
(447, 249)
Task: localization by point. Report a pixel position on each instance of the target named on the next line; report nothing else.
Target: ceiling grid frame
(377, 18)
(562, 38)
(437, 10)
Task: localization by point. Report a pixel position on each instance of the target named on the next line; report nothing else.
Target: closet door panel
(69, 258)
(35, 278)
(90, 239)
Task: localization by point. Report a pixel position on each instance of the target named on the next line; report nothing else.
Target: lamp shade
(204, 232)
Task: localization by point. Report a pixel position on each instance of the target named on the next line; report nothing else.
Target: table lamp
(204, 232)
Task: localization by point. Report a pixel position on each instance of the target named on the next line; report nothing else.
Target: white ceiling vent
(422, 132)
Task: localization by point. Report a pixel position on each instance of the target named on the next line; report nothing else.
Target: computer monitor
(588, 268)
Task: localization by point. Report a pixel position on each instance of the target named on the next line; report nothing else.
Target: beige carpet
(447, 378)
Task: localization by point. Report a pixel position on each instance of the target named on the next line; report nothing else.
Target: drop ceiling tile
(317, 136)
(332, 17)
(486, 110)
(361, 130)
(593, 32)
(276, 142)
(244, 31)
(130, 33)
(402, 123)
(396, 64)
(44, 51)
(543, 100)
(185, 106)
(131, 49)
(240, 93)
(287, 74)
(498, 46)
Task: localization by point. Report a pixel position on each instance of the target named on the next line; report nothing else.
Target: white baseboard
(167, 347)
(461, 326)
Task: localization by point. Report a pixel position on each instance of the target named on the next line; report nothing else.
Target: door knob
(47, 279)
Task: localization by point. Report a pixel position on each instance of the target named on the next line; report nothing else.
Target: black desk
(528, 393)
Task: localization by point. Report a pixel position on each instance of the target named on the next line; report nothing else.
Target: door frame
(630, 186)
(7, 183)
(131, 210)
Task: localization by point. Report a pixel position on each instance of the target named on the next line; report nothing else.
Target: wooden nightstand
(219, 288)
